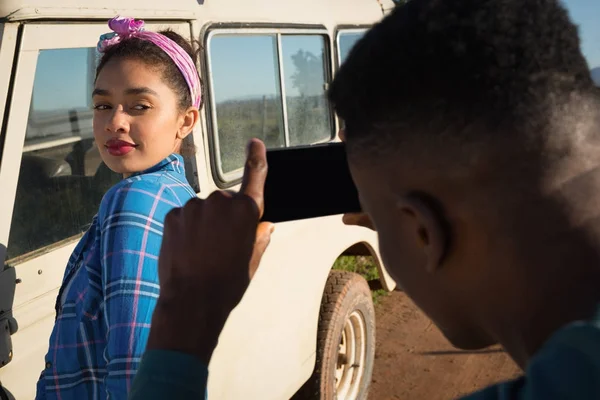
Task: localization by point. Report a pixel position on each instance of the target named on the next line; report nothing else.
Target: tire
(345, 341)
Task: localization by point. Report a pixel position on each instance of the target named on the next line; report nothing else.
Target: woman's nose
(117, 122)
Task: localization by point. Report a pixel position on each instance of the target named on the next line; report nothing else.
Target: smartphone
(308, 182)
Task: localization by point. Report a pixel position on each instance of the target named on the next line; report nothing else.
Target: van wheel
(345, 341)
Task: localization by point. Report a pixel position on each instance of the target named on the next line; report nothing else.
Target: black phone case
(308, 182)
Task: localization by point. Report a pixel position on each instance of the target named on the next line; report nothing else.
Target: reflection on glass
(59, 108)
(305, 77)
(245, 82)
(62, 178)
(346, 41)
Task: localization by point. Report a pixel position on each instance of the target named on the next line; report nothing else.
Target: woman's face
(137, 122)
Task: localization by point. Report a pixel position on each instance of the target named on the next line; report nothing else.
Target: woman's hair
(152, 55)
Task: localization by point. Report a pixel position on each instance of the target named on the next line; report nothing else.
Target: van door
(52, 178)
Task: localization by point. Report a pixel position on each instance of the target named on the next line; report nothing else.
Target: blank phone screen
(308, 182)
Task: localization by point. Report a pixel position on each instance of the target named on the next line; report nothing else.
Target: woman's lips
(117, 147)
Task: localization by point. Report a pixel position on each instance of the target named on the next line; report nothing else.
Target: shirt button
(48, 365)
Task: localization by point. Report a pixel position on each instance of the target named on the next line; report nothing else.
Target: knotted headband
(124, 28)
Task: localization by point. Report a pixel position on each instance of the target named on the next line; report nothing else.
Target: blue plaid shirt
(110, 288)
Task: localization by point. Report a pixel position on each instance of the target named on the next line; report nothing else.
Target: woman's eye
(141, 107)
(101, 107)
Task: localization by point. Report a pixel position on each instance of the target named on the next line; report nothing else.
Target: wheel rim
(351, 357)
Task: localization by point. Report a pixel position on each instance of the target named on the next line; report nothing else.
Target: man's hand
(211, 250)
(360, 219)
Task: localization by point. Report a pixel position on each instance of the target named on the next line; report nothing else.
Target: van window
(345, 41)
(246, 93)
(305, 75)
(585, 14)
(62, 178)
(270, 86)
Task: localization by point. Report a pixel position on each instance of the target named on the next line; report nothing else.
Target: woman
(146, 100)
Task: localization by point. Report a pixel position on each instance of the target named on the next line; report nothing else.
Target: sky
(586, 14)
(61, 79)
(243, 67)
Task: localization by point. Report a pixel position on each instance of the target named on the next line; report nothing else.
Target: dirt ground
(414, 361)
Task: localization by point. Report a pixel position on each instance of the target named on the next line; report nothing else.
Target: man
(473, 135)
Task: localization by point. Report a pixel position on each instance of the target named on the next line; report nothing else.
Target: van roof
(71, 9)
(300, 11)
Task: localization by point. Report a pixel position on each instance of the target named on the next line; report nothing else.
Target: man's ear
(431, 228)
(187, 122)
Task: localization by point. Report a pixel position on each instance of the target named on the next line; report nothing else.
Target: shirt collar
(173, 163)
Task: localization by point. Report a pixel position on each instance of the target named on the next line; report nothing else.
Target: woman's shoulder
(171, 183)
(141, 195)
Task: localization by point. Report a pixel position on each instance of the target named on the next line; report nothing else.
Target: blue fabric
(567, 367)
(165, 374)
(110, 288)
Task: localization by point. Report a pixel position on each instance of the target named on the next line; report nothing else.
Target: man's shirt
(566, 367)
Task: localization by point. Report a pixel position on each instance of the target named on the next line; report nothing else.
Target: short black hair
(434, 64)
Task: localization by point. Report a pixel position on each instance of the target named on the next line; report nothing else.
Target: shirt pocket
(92, 305)
(80, 298)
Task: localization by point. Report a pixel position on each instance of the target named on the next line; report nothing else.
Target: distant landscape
(596, 75)
(239, 120)
(48, 126)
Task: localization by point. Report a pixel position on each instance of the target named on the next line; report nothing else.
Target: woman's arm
(131, 223)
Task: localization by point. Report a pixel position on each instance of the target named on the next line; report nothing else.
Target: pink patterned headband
(124, 28)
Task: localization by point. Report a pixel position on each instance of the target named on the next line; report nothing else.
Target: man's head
(466, 122)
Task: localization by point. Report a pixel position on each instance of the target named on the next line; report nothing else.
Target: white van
(302, 328)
